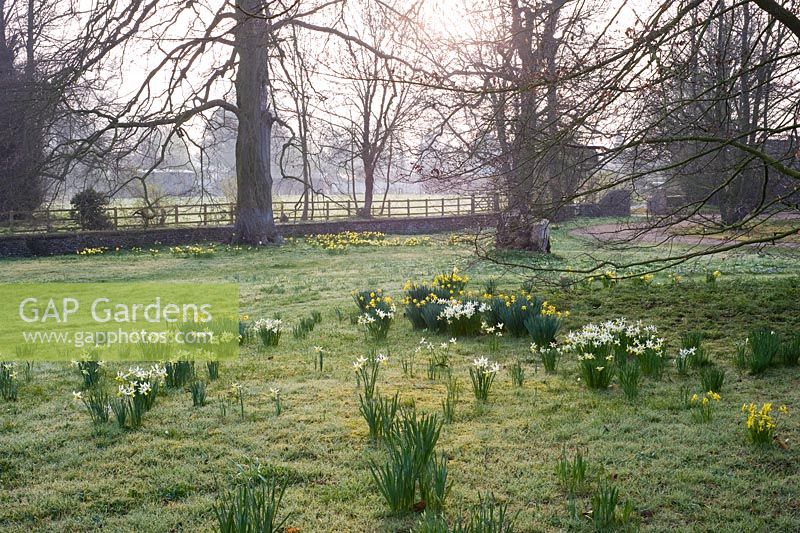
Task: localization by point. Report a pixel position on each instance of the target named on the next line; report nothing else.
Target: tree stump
(522, 233)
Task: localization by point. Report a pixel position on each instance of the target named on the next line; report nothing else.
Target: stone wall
(69, 243)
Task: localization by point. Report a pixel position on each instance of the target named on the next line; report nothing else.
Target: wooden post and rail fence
(224, 214)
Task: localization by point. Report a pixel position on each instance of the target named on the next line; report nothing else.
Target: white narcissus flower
(481, 362)
(77, 395)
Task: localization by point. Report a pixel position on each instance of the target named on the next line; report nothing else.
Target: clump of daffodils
(91, 251)
(275, 393)
(619, 337)
(702, 406)
(452, 281)
(137, 392)
(761, 424)
(268, 330)
(463, 318)
(482, 373)
(90, 370)
(340, 242)
(377, 313)
(438, 356)
(494, 332)
(194, 250)
(601, 347)
(140, 381)
(8, 381)
(684, 358)
(367, 370)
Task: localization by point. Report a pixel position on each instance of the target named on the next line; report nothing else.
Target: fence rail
(223, 214)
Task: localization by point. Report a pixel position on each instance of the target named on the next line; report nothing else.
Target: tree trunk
(255, 223)
(369, 191)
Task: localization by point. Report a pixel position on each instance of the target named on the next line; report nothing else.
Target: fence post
(389, 208)
(177, 219)
(327, 209)
(231, 212)
(348, 208)
(205, 214)
(408, 208)
(472, 204)
(496, 202)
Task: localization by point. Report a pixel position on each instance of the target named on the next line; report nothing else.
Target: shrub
(88, 210)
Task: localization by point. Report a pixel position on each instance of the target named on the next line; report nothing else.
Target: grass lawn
(57, 473)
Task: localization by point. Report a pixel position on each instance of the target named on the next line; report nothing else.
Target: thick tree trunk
(369, 192)
(255, 223)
